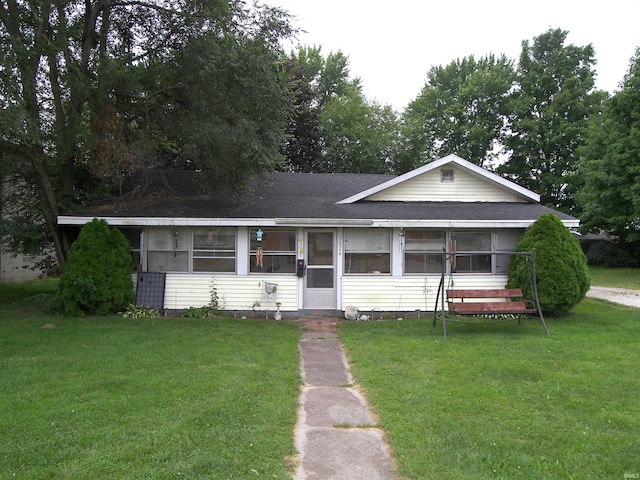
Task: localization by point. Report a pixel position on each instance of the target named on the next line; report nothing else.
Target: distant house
(16, 268)
(13, 267)
(328, 241)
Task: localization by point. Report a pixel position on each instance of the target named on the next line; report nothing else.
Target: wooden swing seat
(488, 302)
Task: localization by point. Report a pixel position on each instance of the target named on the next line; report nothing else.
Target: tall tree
(357, 136)
(462, 109)
(610, 167)
(551, 108)
(317, 79)
(91, 90)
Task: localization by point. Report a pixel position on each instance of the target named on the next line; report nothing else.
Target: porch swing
(487, 303)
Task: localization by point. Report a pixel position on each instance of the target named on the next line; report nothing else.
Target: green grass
(154, 398)
(506, 401)
(217, 398)
(615, 277)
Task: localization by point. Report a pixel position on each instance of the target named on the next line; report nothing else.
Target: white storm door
(319, 280)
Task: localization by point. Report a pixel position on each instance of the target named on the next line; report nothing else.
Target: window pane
(205, 254)
(320, 277)
(508, 239)
(320, 248)
(214, 265)
(502, 264)
(424, 240)
(133, 236)
(274, 240)
(277, 250)
(274, 263)
(214, 239)
(137, 260)
(367, 263)
(367, 240)
(473, 264)
(422, 263)
(168, 261)
(473, 241)
(476, 241)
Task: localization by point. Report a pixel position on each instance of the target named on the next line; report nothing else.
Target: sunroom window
(214, 249)
(133, 236)
(469, 247)
(272, 250)
(168, 250)
(423, 250)
(367, 250)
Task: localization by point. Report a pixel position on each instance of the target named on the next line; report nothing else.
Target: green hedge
(561, 267)
(97, 275)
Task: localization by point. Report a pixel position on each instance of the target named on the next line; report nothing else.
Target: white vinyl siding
(235, 293)
(428, 187)
(406, 294)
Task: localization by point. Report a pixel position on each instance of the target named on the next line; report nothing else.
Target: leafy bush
(198, 312)
(561, 267)
(140, 311)
(97, 275)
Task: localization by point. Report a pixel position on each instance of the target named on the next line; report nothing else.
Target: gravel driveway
(617, 295)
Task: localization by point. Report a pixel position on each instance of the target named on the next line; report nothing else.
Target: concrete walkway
(336, 436)
(622, 296)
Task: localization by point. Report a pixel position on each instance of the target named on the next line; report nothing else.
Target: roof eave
(304, 222)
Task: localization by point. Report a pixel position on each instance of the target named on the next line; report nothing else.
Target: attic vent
(446, 175)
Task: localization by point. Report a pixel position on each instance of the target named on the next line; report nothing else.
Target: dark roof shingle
(299, 195)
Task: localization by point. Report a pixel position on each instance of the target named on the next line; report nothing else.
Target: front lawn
(615, 277)
(217, 398)
(153, 398)
(506, 401)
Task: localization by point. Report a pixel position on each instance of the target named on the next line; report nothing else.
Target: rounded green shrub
(561, 267)
(97, 275)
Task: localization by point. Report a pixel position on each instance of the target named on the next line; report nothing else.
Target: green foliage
(610, 194)
(550, 111)
(140, 311)
(336, 128)
(198, 312)
(357, 136)
(561, 267)
(214, 303)
(97, 276)
(231, 112)
(198, 84)
(462, 109)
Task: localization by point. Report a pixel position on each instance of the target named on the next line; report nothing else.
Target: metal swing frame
(530, 258)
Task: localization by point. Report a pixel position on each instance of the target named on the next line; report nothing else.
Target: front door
(319, 281)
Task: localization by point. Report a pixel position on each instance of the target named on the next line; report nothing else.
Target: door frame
(320, 298)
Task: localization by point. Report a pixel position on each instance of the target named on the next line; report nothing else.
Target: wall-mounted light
(175, 241)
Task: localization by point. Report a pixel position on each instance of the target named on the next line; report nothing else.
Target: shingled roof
(177, 195)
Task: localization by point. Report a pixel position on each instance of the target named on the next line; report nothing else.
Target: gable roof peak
(449, 159)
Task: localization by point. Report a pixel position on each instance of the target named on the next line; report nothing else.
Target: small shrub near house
(561, 267)
(140, 311)
(97, 275)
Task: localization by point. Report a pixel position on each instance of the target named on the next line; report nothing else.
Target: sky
(391, 44)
